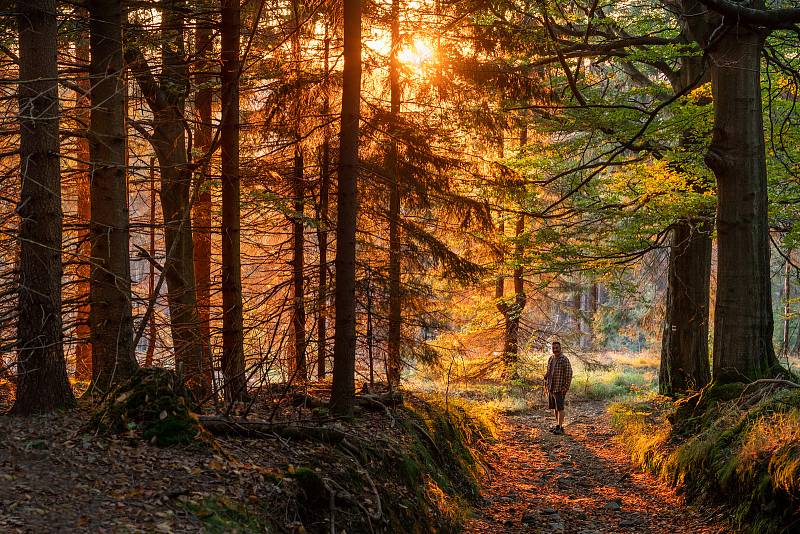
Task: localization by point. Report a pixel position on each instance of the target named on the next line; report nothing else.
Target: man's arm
(567, 375)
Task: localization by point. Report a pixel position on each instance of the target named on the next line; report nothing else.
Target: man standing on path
(557, 380)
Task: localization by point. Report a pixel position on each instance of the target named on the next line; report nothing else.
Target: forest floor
(55, 477)
(581, 482)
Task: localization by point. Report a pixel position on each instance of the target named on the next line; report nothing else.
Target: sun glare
(417, 53)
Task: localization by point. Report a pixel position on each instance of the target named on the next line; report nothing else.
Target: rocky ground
(580, 482)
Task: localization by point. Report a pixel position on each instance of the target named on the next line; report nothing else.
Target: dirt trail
(581, 482)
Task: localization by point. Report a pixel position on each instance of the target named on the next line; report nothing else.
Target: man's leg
(560, 408)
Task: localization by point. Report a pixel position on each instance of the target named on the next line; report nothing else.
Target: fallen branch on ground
(261, 429)
(370, 402)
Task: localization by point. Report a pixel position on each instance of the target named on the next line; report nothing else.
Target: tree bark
(787, 297)
(166, 100)
(323, 224)
(233, 364)
(201, 211)
(113, 354)
(743, 320)
(344, 348)
(394, 362)
(41, 371)
(512, 311)
(298, 191)
(298, 265)
(151, 337)
(83, 347)
(684, 345)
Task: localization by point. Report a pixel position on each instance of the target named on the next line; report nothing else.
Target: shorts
(556, 401)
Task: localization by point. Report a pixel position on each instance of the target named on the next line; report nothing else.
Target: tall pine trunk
(323, 224)
(344, 348)
(113, 355)
(233, 365)
(298, 265)
(201, 211)
(151, 283)
(83, 347)
(41, 371)
(298, 191)
(394, 363)
(743, 320)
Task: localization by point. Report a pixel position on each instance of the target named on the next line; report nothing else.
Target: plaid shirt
(559, 374)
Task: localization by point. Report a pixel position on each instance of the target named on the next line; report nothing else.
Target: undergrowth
(734, 445)
(155, 403)
(417, 472)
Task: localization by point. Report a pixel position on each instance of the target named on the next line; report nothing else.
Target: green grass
(596, 377)
(613, 384)
(737, 447)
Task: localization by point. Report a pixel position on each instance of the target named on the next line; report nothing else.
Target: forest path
(581, 482)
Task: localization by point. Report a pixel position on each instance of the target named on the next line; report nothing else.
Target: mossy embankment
(737, 445)
(413, 468)
(419, 473)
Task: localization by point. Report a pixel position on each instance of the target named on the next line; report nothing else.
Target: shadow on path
(581, 482)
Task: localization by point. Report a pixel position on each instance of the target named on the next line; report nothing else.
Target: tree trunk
(167, 102)
(344, 348)
(743, 320)
(201, 222)
(151, 338)
(684, 345)
(322, 217)
(515, 317)
(370, 336)
(787, 297)
(41, 371)
(298, 191)
(113, 354)
(298, 264)
(512, 311)
(83, 347)
(233, 365)
(394, 362)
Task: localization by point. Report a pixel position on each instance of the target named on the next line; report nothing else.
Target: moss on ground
(418, 471)
(424, 470)
(222, 515)
(732, 444)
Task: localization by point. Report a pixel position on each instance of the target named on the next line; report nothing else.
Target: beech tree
(733, 37)
(684, 343)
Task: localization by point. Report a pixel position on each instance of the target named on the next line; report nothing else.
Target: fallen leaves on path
(581, 482)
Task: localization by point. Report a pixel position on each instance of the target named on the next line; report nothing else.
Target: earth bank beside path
(581, 482)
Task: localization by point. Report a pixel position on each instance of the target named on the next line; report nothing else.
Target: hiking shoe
(553, 429)
(558, 430)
